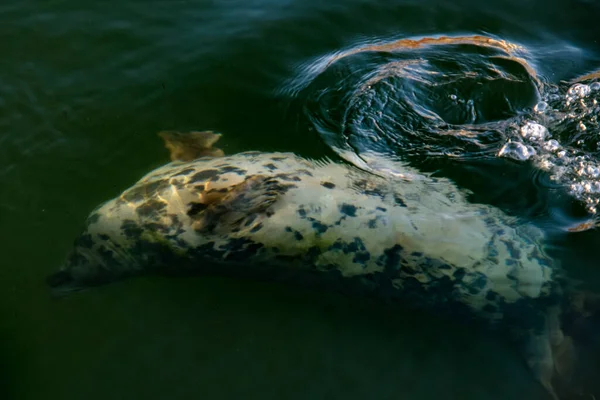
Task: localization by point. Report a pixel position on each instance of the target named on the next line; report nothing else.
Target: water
(85, 88)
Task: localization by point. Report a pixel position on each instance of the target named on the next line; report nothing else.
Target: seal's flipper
(548, 352)
(539, 359)
(192, 145)
(241, 202)
(564, 358)
(565, 353)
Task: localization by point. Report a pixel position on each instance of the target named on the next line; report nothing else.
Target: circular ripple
(471, 101)
(430, 97)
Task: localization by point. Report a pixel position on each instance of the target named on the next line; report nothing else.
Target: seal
(278, 216)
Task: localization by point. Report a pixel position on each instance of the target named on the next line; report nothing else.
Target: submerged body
(278, 216)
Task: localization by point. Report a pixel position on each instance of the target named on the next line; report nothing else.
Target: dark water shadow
(226, 339)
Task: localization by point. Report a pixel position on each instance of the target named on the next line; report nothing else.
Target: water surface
(85, 87)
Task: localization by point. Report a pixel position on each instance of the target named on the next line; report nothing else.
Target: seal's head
(139, 230)
(121, 238)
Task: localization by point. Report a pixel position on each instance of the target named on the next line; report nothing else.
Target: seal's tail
(577, 367)
(565, 354)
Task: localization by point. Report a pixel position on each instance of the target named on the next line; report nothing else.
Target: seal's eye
(195, 208)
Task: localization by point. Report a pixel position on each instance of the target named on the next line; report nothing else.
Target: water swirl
(467, 99)
(429, 97)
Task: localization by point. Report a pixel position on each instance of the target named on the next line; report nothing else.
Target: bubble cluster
(562, 136)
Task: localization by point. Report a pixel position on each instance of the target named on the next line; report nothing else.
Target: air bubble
(545, 164)
(453, 97)
(576, 188)
(516, 151)
(551, 145)
(553, 97)
(533, 131)
(592, 186)
(578, 90)
(540, 107)
(595, 86)
(592, 171)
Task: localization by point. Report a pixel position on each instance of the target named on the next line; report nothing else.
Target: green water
(83, 90)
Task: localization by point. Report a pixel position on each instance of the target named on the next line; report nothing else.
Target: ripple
(458, 99)
(429, 97)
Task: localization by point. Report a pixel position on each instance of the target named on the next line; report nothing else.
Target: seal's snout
(69, 277)
(91, 262)
(61, 283)
(59, 279)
